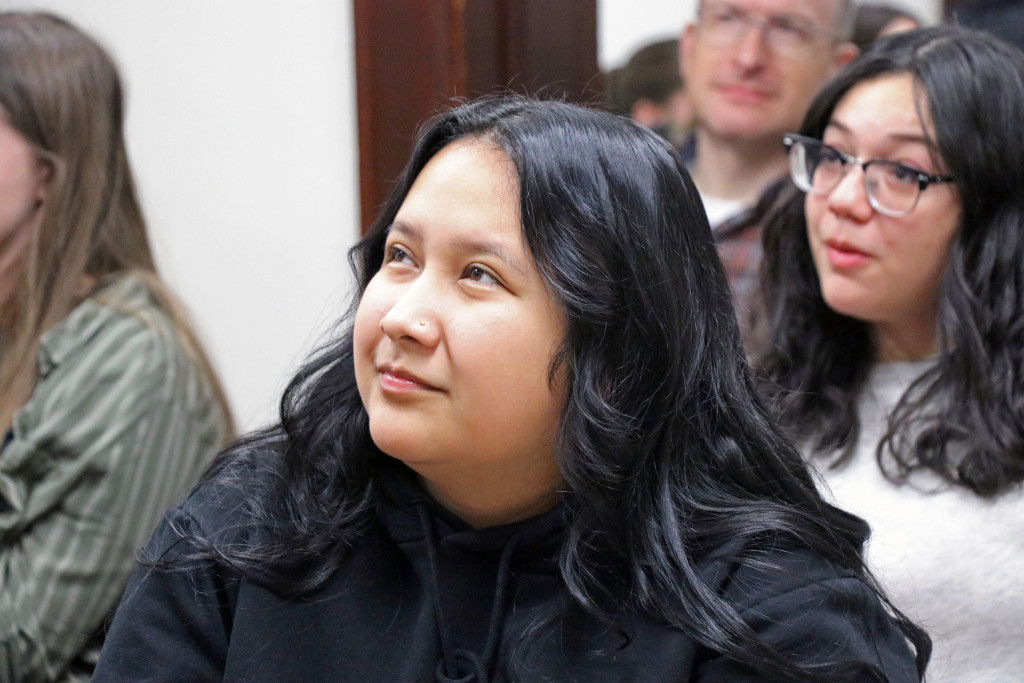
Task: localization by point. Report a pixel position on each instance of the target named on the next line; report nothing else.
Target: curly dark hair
(964, 417)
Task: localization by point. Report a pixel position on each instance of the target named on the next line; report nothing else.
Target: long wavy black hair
(964, 418)
(666, 451)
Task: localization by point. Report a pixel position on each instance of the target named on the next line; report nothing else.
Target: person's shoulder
(118, 330)
(816, 611)
(747, 574)
(128, 308)
(234, 503)
(115, 367)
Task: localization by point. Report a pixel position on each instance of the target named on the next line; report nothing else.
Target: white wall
(623, 26)
(242, 131)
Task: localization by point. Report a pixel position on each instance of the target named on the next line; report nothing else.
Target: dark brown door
(414, 56)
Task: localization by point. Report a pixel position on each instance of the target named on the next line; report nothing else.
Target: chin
(851, 307)
(745, 128)
(402, 445)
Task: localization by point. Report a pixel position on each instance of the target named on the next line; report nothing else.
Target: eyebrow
(463, 244)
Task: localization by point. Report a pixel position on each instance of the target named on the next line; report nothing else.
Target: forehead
(467, 188)
(824, 12)
(890, 101)
(469, 168)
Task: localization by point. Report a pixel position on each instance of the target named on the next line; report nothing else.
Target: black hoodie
(425, 597)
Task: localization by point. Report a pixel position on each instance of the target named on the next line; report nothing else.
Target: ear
(686, 46)
(44, 177)
(842, 54)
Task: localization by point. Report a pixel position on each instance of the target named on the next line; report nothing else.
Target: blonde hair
(61, 91)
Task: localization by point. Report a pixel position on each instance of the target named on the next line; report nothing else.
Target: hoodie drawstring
(448, 670)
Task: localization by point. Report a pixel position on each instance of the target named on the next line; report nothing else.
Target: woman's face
(873, 267)
(22, 186)
(454, 336)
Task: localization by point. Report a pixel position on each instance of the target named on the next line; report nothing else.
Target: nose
(849, 197)
(413, 316)
(753, 45)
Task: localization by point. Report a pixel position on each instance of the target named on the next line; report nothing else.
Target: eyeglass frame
(767, 24)
(924, 180)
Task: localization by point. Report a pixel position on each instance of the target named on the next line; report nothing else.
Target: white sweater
(951, 560)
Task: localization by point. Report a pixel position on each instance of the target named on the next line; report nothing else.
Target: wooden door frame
(414, 56)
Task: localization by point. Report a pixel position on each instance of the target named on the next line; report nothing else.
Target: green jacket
(120, 425)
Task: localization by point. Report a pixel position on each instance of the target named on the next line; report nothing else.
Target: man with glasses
(751, 68)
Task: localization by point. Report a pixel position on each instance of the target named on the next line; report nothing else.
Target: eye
(478, 273)
(395, 254)
(790, 27)
(724, 16)
(831, 155)
(903, 175)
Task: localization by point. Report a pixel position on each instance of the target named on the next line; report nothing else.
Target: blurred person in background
(873, 21)
(649, 89)
(109, 408)
(751, 68)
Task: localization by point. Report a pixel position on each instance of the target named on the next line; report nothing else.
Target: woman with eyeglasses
(891, 328)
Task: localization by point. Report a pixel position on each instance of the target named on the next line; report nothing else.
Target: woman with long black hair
(533, 453)
(892, 327)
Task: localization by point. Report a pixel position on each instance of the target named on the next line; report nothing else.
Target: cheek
(509, 404)
(366, 331)
(803, 83)
(922, 256)
(506, 365)
(946, 226)
(702, 70)
(814, 205)
(814, 208)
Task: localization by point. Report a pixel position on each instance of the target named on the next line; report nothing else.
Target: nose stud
(423, 323)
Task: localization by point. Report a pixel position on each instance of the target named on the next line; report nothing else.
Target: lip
(744, 94)
(844, 256)
(397, 380)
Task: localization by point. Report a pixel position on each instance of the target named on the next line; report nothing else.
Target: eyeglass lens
(818, 169)
(726, 26)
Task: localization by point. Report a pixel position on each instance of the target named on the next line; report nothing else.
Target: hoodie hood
(470, 576)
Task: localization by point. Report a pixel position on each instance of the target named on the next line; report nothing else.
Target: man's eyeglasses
(892, 188)
(788, 34)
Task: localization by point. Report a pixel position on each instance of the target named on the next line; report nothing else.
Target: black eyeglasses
(892, 188)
